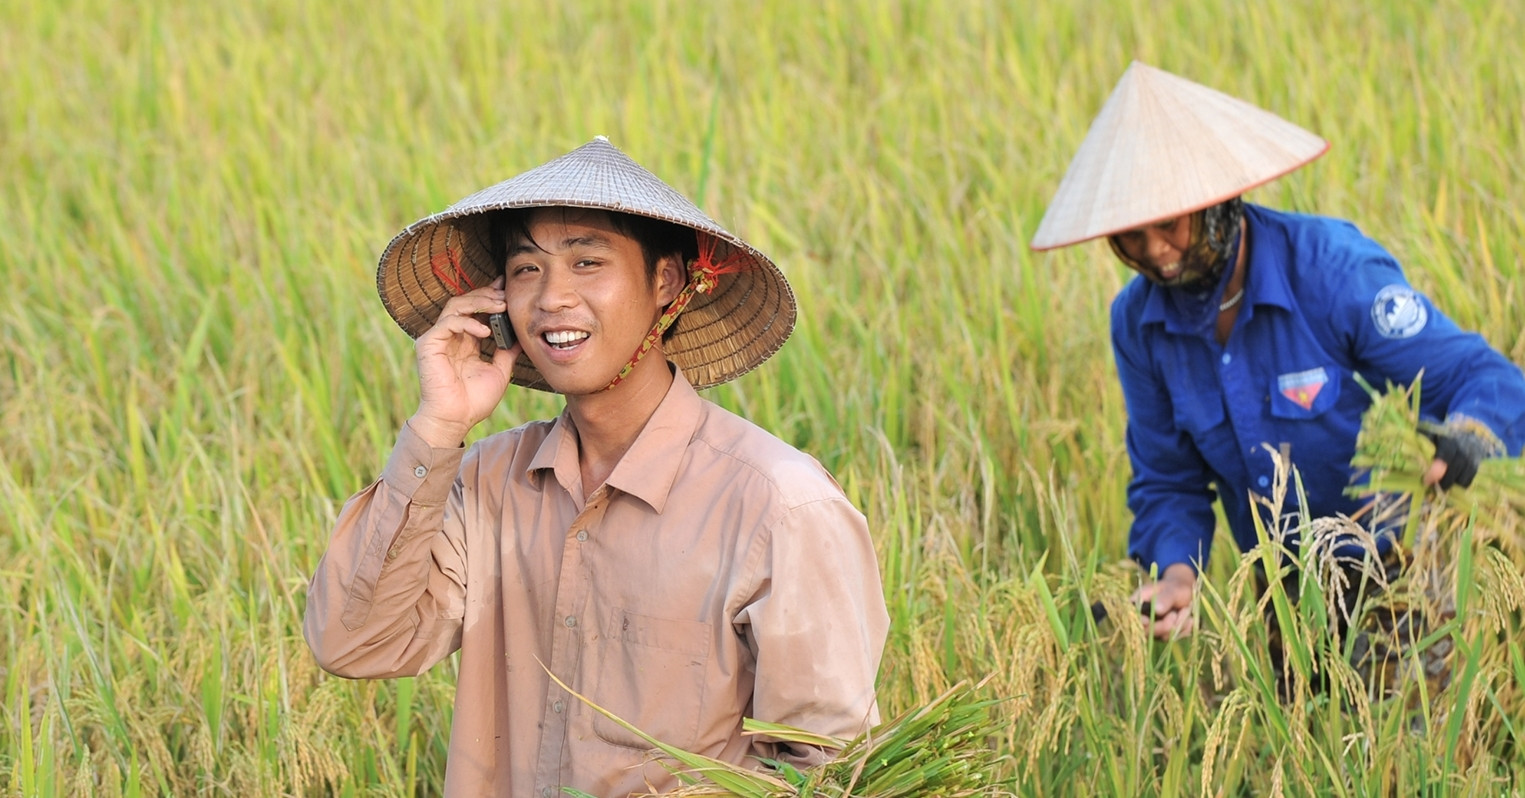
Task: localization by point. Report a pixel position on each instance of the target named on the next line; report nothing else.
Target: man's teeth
(564, 337)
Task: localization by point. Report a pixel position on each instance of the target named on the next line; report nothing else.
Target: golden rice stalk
(1226, 735)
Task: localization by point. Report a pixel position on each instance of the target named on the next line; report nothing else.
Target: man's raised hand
(457, 388)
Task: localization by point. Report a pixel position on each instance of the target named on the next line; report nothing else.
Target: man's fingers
(1175, 624)
(459, 315)
(483, 300)
(1148, 592)
(503, 360)
(1434, 473)
(448, 326)
(1164, 628)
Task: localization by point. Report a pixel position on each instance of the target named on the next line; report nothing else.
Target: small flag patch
(1303, 387)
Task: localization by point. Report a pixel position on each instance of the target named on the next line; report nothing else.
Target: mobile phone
(502, 330)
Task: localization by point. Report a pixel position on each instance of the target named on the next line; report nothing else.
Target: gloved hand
(1462, 444)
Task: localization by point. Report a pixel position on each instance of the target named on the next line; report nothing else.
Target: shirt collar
(1266, 283)
(650, 467)
(558, 454)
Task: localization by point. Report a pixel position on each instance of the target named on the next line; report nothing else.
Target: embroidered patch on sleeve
(1399, 312)
(1302, 387)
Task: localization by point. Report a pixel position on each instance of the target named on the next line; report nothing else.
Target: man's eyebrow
(592, 241)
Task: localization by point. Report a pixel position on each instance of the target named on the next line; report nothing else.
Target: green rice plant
(943, 748)
(1468, 563)
(194, 370)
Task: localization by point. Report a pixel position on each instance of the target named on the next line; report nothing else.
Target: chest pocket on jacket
(1304, 394)
(650, 672)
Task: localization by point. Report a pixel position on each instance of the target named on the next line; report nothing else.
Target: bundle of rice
(942, 749)
(1463, 546)
(1394, 450)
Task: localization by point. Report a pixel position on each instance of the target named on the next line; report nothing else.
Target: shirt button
(582, 534)
(546, 792)
(420, 472)
(1264, 481)
(391, 555)
(556, 707)
(1226, 358)
(572, 619)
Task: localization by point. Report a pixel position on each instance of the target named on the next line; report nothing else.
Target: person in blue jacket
(1246, 327)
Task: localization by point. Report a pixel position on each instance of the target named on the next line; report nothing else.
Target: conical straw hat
(1164, 146)
(723, 334)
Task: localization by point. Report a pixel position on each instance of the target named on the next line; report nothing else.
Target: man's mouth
(564, 339)
(1181, 274)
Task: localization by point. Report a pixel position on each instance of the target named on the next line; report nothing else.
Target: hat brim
(721, 335)
(1165, 215)
(1163, 146)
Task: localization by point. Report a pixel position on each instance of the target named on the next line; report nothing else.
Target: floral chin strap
(703, 275)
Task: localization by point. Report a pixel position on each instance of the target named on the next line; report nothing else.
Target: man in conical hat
(664, 558)
(1245, 328)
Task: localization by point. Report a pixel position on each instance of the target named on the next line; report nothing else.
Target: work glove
(1463, 443)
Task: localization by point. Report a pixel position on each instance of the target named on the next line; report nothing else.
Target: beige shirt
(719, 573)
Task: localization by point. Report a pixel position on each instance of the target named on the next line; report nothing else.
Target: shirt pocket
(651, 673)
(1304, 394)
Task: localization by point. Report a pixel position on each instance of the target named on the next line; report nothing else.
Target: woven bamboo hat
(723, 334)
(1162, 147)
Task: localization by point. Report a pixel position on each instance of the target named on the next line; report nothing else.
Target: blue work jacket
(1322, 303)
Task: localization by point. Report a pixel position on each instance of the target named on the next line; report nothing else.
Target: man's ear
(670, 278)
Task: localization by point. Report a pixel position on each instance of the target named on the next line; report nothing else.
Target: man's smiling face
(1159, 251)
(582, 298)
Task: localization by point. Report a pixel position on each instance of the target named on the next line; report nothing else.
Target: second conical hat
(1163, 146)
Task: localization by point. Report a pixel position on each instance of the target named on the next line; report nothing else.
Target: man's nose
(1161, 251)
(556, 290)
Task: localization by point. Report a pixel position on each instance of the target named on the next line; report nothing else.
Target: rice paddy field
(195, 370)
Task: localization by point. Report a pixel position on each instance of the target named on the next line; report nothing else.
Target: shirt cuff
(420, 472)
(1170, 552)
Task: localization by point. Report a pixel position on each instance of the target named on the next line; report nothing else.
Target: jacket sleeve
(1170, 492)
(817, 626)
(1395, 332)
(389, 594)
